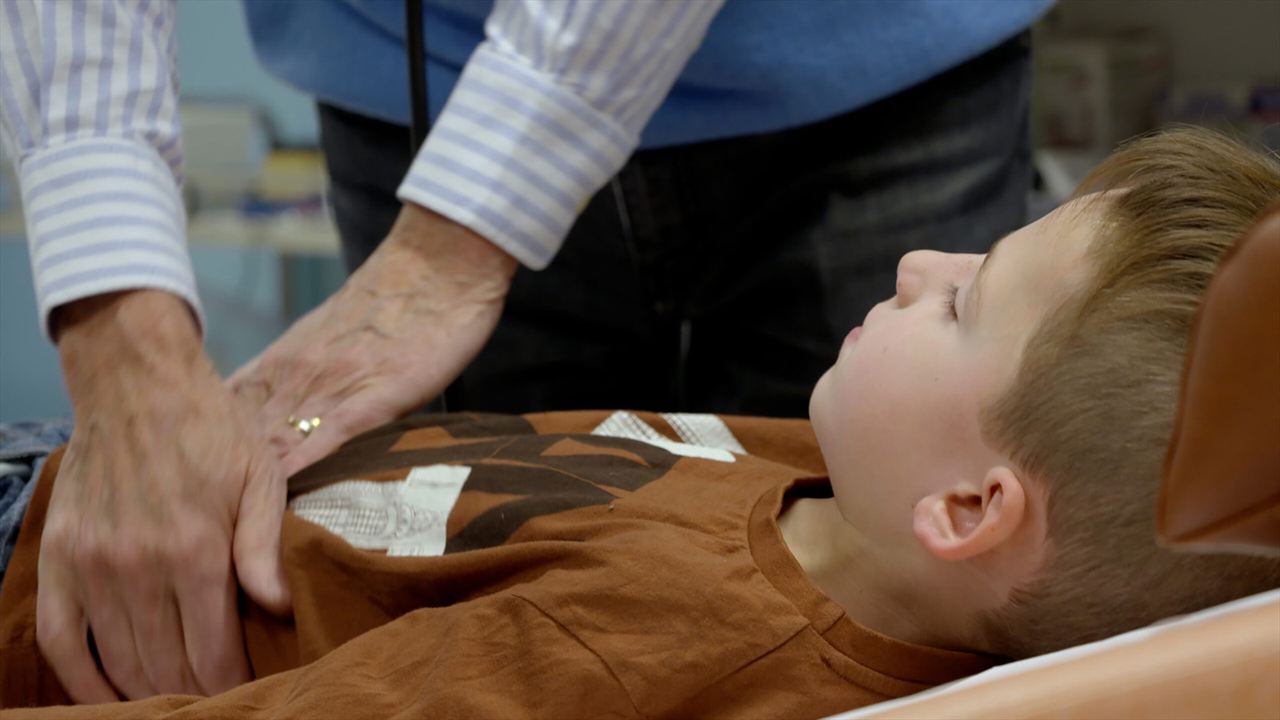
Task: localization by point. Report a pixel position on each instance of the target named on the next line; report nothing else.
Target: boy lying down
(977, 484)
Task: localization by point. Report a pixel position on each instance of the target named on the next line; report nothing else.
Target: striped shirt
(548, 108)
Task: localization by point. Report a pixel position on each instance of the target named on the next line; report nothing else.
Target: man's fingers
(162, 647)
(62, 637)
(114, 637)
(256, 545)
(277, 418)
(215, 642)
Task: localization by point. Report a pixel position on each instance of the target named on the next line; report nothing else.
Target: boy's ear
(963, 522)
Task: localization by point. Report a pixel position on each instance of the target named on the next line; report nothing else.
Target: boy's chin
(820, 404)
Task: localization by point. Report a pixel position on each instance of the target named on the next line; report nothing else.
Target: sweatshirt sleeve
(89, 116)
(548, 108)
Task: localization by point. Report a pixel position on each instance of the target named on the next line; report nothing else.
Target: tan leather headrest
(1221, 487)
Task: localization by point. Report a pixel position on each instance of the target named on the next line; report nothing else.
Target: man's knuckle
(58, 538)
(194, 536)
(130, 556)
(346, 365)
(303, 365)
(51, 634)
(89, 551)
(195, 548)
(180, 541)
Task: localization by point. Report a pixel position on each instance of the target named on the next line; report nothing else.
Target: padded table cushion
(1221, 489)
(1223, 662)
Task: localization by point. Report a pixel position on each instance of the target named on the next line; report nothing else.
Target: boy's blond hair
(1091, 410)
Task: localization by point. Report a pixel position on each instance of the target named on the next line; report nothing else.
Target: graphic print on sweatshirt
(433, 485)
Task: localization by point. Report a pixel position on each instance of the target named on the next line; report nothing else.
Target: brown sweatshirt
(480, 566)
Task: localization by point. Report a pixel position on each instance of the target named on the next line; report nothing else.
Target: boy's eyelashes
(949, 299)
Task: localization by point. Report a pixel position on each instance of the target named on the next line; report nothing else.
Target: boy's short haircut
(1091, 410)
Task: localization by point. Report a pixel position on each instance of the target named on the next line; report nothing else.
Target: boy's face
(898, 415)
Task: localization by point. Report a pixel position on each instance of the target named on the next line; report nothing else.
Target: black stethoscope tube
(419, 126)
(419, 123)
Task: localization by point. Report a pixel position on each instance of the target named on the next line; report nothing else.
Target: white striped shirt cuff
(515, 157)
(104, 215)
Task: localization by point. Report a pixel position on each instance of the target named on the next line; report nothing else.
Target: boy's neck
(880, 588)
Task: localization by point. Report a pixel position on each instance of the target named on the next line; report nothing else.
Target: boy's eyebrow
(977, 278)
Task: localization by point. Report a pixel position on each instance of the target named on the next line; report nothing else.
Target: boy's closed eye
(953, 289)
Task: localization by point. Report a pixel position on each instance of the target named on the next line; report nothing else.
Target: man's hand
(162, 491)
(396, 334)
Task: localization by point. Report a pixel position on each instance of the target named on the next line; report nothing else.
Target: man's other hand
(391, 339)
(163, 499)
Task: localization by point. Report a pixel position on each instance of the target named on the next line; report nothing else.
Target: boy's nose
(914, 272)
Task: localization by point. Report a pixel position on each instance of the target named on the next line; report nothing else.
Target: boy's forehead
(1065, 239)
(1036, 265)
(1059, 240)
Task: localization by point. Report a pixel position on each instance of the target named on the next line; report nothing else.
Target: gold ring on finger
(304, 425)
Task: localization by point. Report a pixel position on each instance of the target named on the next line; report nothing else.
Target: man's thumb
(256, 545)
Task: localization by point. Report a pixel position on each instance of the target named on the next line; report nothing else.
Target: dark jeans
(24, 446)
(723, 276)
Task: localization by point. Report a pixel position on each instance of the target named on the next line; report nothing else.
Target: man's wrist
(448, 246)
(147, 332)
